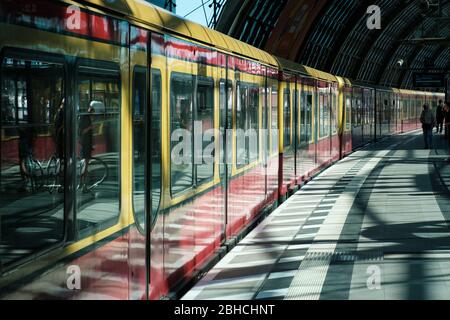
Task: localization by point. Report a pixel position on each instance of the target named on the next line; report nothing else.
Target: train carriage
(137, 147)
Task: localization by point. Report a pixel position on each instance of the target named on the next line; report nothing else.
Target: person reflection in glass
(27, 137)
(86, 129)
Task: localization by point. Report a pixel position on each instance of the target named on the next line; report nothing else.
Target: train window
(405, 108)
(98, 147)
(139, 138)
(302, 118)
(354, 113)
(274, 121)
(324, 114)
(359, 111)
(287, 117)
(156, 154)
(226, 109)
(334, 112)
(31, 188)
(254, 123)
(247, 124)
(181, 128)
(204, 155)
(308, 116)
(139, 143)
(348, 112)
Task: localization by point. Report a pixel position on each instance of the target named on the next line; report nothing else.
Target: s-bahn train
(96, 98)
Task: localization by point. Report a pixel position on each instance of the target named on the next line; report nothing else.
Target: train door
(347, 125)
(288, 160)
(335, 137)
(225, 127)
(392, 113)
(324, 122)
(146, 100)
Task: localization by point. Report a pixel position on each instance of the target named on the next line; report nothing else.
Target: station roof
(333, 36)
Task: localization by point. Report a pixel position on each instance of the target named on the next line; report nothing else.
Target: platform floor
(373, 226)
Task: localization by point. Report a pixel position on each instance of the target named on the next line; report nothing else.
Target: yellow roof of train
(293, 66)
(163, 20)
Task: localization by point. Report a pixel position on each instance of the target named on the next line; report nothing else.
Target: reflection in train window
(226, 123)
(139, 144)
(348, 112)
(274, 120)
(181, 128)
(305, 117)
(31, 188)
(97, 148)
(247, 124)
(287, 117)
(324, 115)
(204, 154)
(334, 112)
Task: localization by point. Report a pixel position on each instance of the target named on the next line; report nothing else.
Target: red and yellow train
(104, 88)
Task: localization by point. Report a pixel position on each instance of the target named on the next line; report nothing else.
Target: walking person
(440, 117)
(428, 121)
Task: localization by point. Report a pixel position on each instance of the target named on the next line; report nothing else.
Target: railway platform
(373, 226)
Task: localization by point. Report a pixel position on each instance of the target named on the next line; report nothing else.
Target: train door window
(360, 111)
(324, 115)
(181, 128)
(309, 107)
(405, 108)
(274, 120)
(226, 108)
(156, 154)
(334, 112)
(253, 146)
(139, 143)
(247, 124)
(295, 116)
(32, 156)
(287, 117)
(204, 154)
(354, 113)
(98, 147)
(302, 117)
(348, 112)
(241, 124)
(305, 117)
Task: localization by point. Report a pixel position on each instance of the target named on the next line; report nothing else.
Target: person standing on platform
(428, 121)
(440, 117)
